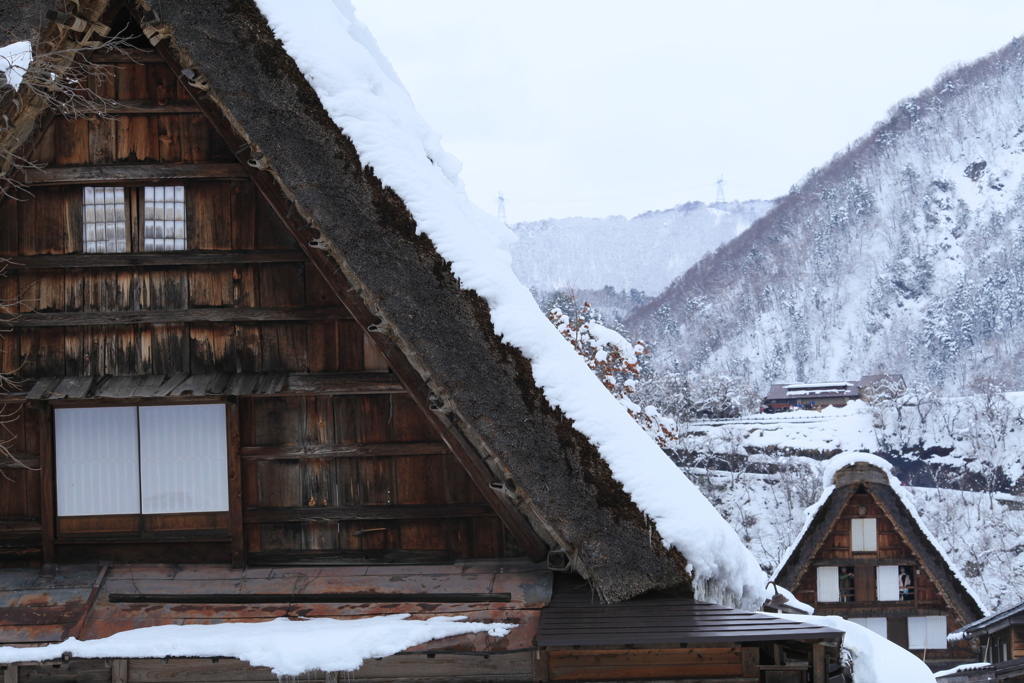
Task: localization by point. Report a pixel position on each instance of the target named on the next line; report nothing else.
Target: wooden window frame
(133, 214)
(219, 526)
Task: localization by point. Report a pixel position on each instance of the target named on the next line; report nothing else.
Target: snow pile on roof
(14, 60)
(875, 659)
(362, 94)
(792, 602)
(973, 666)
(288, 647)
(842, 460)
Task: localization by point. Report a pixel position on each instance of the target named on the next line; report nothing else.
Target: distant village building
(817, 395)
(999, 641)
(865, 556)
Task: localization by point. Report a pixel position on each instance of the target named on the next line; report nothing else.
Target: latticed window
(163, 218)
(119, 219)
(104, 225)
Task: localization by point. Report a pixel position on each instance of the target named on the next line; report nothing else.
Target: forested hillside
(904, 254)
(644, 253)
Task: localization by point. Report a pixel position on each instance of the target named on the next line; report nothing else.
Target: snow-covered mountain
(644, 253)
(904, 254)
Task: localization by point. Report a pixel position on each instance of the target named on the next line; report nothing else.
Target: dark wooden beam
(20, 527)
(131, 173)
(150, 107)
(356, 513)
(145, 259)
(160, 317)
(355, 450)
(47, 483)
(287, 598)
(343, 558)
(450, 431)
(19, 461)
(235, 528)
(126, 57)
(316, 383)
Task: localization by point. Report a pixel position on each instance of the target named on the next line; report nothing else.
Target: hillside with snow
(904, 254)
(643, 253)
(963, 475)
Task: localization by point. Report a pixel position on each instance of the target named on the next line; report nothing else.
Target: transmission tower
(501, 209)
(720, 196)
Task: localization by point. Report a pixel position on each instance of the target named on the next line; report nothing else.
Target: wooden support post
(751, 658)
(11, 673)
(818, 673)
(47, 482)
(540, 666)
(119, 671)
(235, 487)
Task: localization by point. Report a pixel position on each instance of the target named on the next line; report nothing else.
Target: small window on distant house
(906, 579)
(104, 229)
(864, 535)
(141, 459)
(163, 218)
(879, 625)
(835, 584)
(926, 633)
(888, 582)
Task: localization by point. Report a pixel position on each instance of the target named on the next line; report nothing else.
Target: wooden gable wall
(326, 476)
(892, 549)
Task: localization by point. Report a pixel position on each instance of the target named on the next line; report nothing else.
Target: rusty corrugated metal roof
(39, 609)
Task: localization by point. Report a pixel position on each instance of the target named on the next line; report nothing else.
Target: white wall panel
(184, 461)
(888, 582)
(864, 535)
(828, 584)
(879, 625)
(97, 460)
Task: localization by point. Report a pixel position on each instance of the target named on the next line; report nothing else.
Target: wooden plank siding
(244, 298)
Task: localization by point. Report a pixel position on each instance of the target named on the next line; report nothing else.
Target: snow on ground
(288, 647)
(362, 94)
(875, 659)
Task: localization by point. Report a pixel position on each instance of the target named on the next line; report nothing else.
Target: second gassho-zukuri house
(866, 556)
(269, 365)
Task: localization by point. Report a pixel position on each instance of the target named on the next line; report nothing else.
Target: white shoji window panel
(103, 224)
(865, 534)
(97, 453)
(184, 458)
(887, 580)
(163, 219)
(828, 584)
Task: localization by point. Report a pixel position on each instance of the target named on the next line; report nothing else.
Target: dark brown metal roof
(36, 609)
(576, 617)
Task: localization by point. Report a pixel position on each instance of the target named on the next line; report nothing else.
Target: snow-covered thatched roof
(323, 112)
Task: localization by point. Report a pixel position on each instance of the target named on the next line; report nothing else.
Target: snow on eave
(362, 95)
(288, 647)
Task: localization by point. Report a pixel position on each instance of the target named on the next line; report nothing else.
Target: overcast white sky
(592, 108)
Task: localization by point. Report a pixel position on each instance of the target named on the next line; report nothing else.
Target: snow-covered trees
(617, 363)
